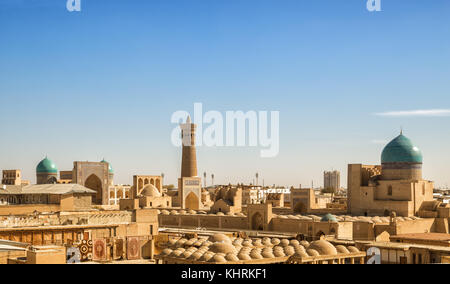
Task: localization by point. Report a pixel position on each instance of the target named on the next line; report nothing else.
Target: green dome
(110, 169)
(401, 150)
(328, 218)
(46, 166)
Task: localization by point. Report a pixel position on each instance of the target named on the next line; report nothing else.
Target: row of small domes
(47, 166)
(220, 248)
(327, 218)
(315, 218)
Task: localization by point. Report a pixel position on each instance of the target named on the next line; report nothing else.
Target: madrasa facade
(97, 176)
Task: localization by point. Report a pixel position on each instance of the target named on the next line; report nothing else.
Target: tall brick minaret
(189, 158)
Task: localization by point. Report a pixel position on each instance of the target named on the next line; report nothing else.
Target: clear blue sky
(103, 83)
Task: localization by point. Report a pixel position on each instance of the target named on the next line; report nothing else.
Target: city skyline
(224, 132)
(104, 82)
(247, 179)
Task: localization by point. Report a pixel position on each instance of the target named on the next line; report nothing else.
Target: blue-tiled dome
(328, 218)
(401, 150)
(110, 169)
(46, 166)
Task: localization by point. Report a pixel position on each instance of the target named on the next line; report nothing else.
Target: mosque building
(394, 186)
(97, 176)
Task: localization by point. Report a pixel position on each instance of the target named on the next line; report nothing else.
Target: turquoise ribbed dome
(110, 169)
(401, 150)
(46, 166)
(328, 218)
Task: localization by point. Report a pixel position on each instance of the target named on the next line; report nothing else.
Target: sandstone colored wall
(415, 226)
(441, 225)
(204, 221)
(5, 255)
(72, 202)
(289, 225)
(363, 231)
(234, 223)
(24, 209)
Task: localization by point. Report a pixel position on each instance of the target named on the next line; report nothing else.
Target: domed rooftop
(110, 169)
(221, 238)
(323, 247)
(328, 218)
(151, 191)
(401, 150)
(46, 166)
(222, 248)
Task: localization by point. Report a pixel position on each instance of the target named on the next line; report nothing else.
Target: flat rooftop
(424, 236)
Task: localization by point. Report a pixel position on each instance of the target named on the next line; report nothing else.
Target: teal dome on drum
(401, 150)
(110, 169)
(328, 218)
(46, 166)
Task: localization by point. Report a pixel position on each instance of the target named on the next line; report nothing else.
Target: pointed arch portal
(192, 201)
(257, 222)
(93, 182)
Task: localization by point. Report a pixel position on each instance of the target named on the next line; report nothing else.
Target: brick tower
(189, 156)
(189, 184)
